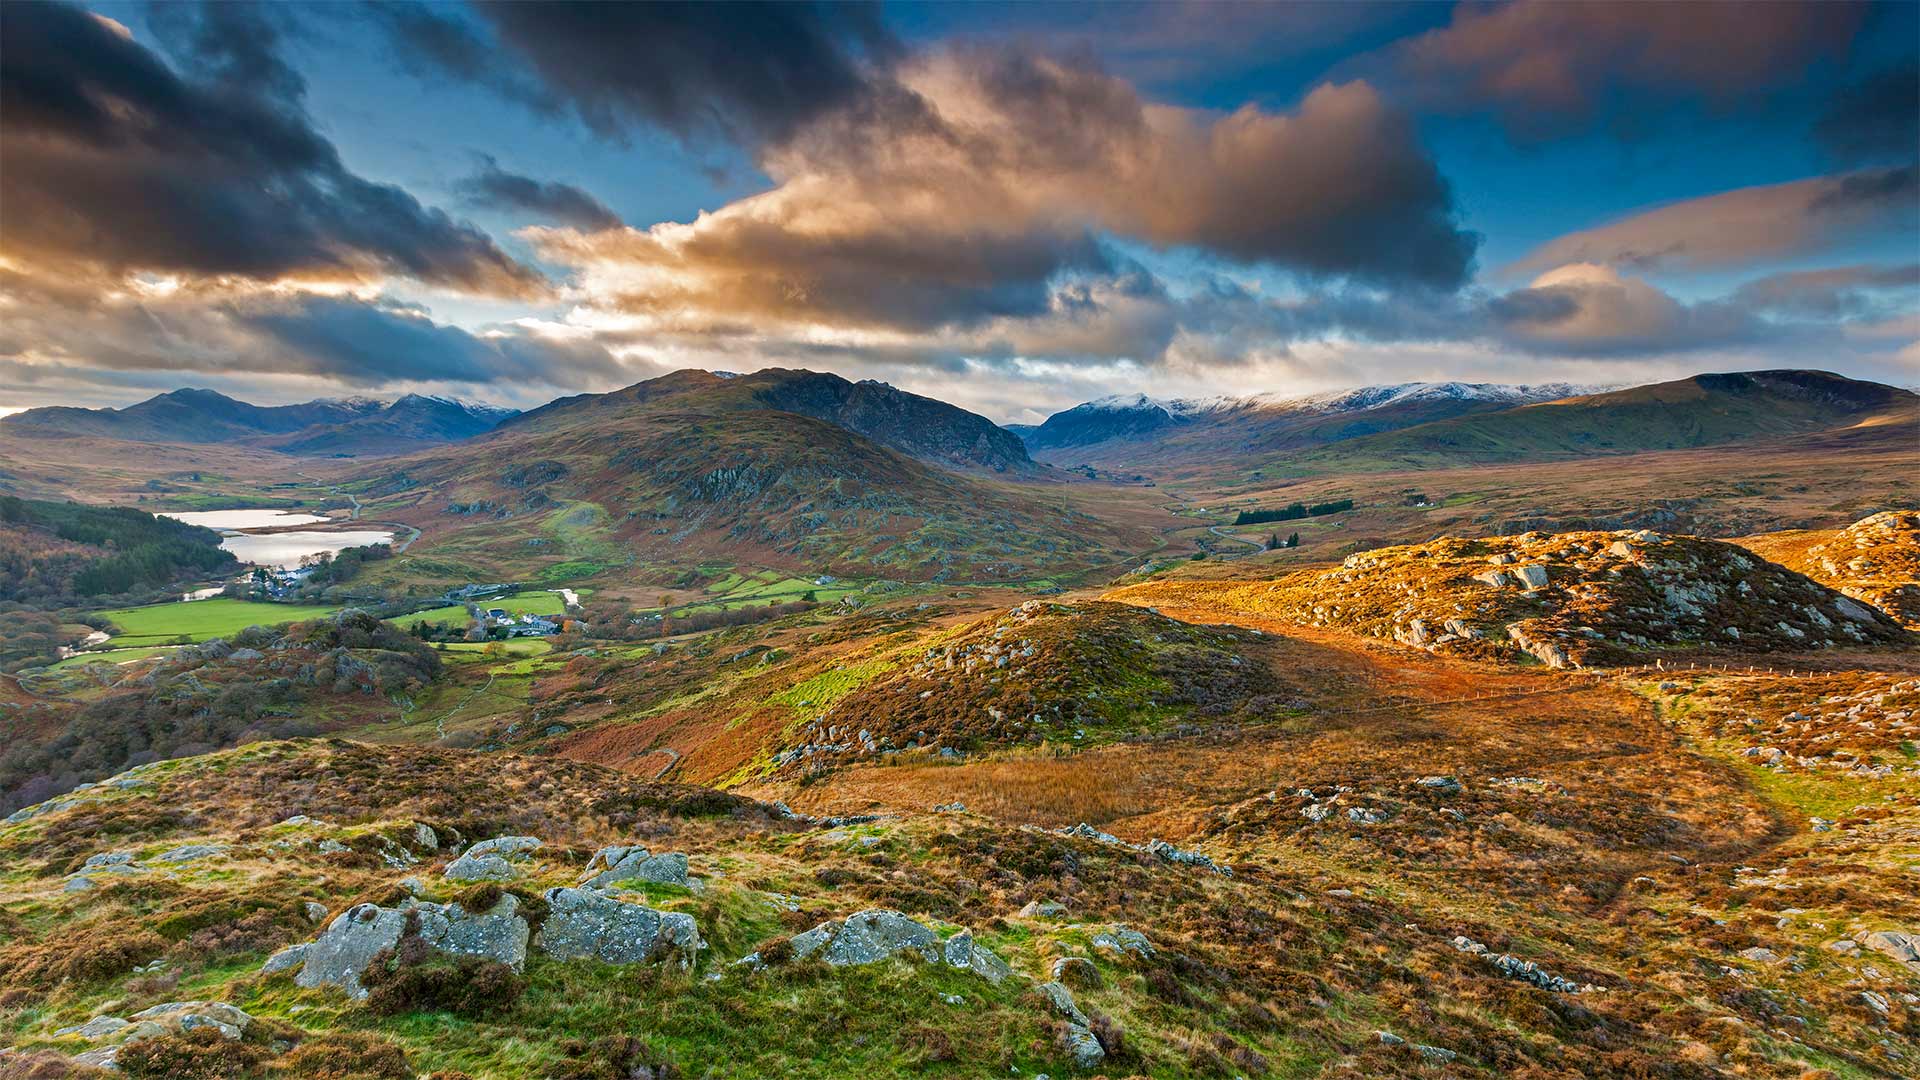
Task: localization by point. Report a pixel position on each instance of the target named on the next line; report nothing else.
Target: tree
(1273, 541)
(811, 597)
(1293, 540)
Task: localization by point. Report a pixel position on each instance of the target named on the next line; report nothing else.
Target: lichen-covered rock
(1124, 940)
(867, 936)
(961, 951)
(350, 941)
(636, 864)
(587, 923)
(491, 860)
(1075, 971)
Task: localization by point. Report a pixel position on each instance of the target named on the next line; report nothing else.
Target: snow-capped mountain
(1130, 432)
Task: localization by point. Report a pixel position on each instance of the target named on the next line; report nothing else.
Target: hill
(189, 416)
(1875, 560)
(1577, 599)
(678, 471)
(1701, 411)
(52, 553)
(920, 427)
(354, 426)
(1139, 432)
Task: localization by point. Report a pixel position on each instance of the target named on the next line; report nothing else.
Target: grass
(203, 620)
(529, 603)
(107, 656)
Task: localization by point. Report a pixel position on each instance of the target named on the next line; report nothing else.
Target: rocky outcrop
(352, 939)
(586, 923)
(492, 860)
(634, 863)
(171, 1018)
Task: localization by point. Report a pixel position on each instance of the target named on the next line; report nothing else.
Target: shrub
(347, 1055)
(616, 1057)
(414, 976)
(200, 1054)
(84, 954)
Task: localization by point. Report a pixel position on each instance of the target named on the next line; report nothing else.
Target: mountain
(1704, 410)
(403, 426)
(1140, 432)
(189, 416)
(689, 466)
(920, 427)
(353, 426)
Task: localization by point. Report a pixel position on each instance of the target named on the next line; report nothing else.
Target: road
(354, 515)
(1220, 531)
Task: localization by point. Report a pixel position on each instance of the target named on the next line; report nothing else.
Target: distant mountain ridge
(1136, 431)
(1702, 410)
(350, 426)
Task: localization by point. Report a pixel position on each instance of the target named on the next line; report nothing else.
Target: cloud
(748, 72)
(1745, 225)
(1556, 67)
(116, 164)
(1846, 292)
(1586, 309)
(343, 340)
(1877, 119)
(494, 187)
(991, 177)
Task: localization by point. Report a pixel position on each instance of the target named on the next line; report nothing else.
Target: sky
(1015, 207)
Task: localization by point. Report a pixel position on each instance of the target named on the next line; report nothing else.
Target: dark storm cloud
(430, 43)
(750, 72)
(1877, 119)
(368, 344)
(1548, 68)
(114, 161)
(550, 200)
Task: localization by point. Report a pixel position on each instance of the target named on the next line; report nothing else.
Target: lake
(282, 549)
(286, 549)
(231, 520)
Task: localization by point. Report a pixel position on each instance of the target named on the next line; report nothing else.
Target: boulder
(286, 959)
(1531, 577)
(1083, 1047)
(1043, 909)
(865, 937)
(1440, 785)
(1061, 999)
(1122, 940)
(636, 864)
(188, 1015)
(961, 951)
(190, 853)
(584, 922)
(350, 941)
(97, 1028)
(1075, 971)
(491, 860)
(1902, 947)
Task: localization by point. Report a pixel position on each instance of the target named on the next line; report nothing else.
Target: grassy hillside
(1705, 410)
(675, 482)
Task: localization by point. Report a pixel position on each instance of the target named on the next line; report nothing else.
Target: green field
(532, 603)
(733, 589)
(107, 656)
(202, 620)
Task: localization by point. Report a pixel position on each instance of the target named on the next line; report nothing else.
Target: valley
(1596, 763)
